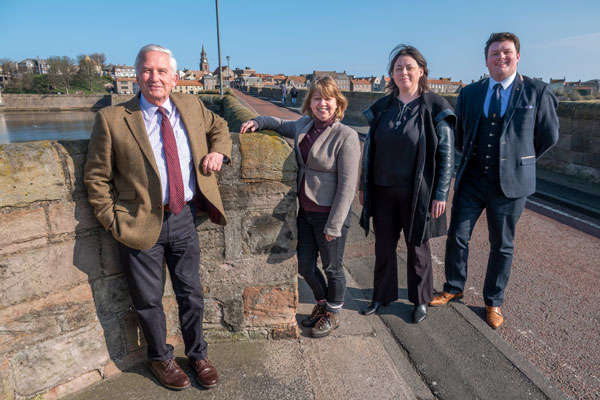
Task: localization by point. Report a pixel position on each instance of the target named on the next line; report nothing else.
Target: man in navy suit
(504, 123)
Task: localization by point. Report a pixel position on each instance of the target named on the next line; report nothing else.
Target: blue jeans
(283, 99)
(473, 196)
(311, 243)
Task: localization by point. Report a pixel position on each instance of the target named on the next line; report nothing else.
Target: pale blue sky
(558, 38)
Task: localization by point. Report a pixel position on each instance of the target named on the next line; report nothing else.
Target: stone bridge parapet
(66, 318)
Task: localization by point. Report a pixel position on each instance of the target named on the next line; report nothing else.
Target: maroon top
(305, 145)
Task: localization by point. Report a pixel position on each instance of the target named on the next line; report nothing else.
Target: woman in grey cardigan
(328, 154)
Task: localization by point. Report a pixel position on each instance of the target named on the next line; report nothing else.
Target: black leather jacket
(435, 164)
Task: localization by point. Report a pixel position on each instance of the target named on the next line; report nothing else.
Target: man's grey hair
(154, 47)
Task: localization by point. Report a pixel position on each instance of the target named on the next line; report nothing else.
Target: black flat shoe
(372, 308)
(419, 313)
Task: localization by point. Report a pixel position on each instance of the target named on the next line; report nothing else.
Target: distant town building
(297, 81)
(210, 82)
(227, 72)
(247, 71)
(121, 71)
(557, 85)
(360, 85)
(279, 79)
(34, 66)
(245, 82)
(341, 78)
(188, 86)
(444, 85)
(126, 86)
(267, 79)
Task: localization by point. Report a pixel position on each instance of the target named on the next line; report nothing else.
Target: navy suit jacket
(530, 129)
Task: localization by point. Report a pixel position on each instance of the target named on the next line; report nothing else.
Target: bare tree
(9, 67)
(61, 71)
(99, 59)
(88, 69)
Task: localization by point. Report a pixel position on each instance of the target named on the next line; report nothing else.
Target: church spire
(203, 61)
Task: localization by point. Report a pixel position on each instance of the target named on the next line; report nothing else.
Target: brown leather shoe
(444, 298)
(493, 316)
(206, 374)
(169, 374)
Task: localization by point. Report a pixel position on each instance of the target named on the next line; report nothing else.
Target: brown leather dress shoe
(206, 374)
(169, 374)
(444, 298)
(493, 316)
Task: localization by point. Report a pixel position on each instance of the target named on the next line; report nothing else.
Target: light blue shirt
(504, 94)
(152, 120)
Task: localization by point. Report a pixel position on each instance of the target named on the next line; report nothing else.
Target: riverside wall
(577, 153)
(66, 317)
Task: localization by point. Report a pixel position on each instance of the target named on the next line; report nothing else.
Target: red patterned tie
(176, 195)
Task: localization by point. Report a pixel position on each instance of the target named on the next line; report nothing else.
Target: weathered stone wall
(53, 102)
(66, 318)
(578, 150)
(577, 153)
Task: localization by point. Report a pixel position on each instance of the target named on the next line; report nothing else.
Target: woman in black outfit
(406, 173)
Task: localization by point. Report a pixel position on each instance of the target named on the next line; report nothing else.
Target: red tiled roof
(188, 83)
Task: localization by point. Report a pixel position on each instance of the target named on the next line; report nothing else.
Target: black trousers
(473, 195)
(178, 245)
(311, 243)
(391, 215)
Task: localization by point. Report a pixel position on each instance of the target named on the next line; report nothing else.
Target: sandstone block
(270, 305)
(113, 334)
(291, 332)
(26, 323)
(134, 337)
(266, 158)
(260, 196)
(58, 360)
(66, 217)
(30, 172)
(111, 296)
(110, 370)
(268, 233)
(21, 229)
(212, 243)
(230, 173)
(109, 254)
(7, 384)
(46, 270)
(233, 313)
(213, 313)
(82, 381)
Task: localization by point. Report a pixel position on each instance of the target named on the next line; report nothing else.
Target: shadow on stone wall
(65, 307)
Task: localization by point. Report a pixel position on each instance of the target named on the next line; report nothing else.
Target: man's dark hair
(501, 37)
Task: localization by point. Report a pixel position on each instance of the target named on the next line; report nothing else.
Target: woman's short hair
(404, 50)
(325, 85)
(155, 47)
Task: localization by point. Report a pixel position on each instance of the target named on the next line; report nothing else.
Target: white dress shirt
(152, 120)
(504, 93)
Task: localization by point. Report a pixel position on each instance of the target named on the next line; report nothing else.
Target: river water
(31, 126)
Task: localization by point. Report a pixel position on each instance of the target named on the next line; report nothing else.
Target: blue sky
(558, 38)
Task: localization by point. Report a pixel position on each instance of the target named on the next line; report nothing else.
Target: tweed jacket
(122, 178)
(331, 170)
(530, 128)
